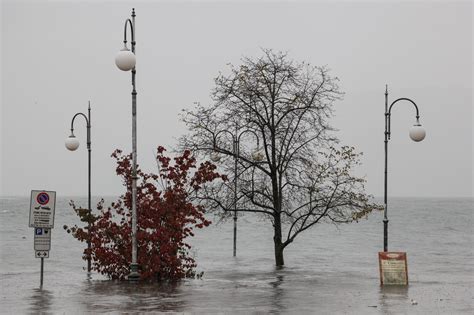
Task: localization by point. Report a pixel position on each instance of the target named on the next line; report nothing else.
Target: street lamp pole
(417, 133)
(257, 156)
(236, 178)
(72, 144)
(126, 60)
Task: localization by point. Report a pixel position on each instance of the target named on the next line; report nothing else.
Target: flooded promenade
(329, 270)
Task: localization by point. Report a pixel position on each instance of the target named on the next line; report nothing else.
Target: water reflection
(108, 295)
(392, 295)
(41, 301)
(278, 293)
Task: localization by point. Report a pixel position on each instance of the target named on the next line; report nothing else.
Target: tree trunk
(279, 261)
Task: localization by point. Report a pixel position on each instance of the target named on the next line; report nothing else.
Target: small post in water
(41, 277)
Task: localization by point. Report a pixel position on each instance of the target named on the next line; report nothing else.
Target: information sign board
(393, 268)
(42, 240)
(42, 207)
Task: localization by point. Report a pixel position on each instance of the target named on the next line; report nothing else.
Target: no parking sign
(42, 198)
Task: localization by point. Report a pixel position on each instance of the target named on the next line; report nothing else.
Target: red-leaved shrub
(166, 216)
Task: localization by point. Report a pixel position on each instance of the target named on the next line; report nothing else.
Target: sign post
(42, 208)
(41, 277)
(393, 268)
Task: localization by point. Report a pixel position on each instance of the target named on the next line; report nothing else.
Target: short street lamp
(257, 156)
(72, 144)
(125, 61)
(417, 133)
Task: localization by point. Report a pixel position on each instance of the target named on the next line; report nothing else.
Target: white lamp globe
(72, 143)
(258, 155)
(125, 60)
(417, 133)
(215, 157)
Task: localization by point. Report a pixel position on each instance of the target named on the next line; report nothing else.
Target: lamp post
(417, 133)
(257, 155)
(72, 144)
(125, 61)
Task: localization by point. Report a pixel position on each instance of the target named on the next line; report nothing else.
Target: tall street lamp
(125, 61)
(257, 156)
(417, 133)
(72, 144)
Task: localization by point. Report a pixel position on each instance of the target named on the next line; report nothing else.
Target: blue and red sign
(42, 198)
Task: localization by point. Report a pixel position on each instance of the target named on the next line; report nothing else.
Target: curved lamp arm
(236, 138)
(73, 118)
(405, 99)
(214, 140)
(129, 22)
(88, 124)
(387, 114)
(251, 131)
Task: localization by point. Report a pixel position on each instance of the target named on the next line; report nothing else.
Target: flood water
(329, 269)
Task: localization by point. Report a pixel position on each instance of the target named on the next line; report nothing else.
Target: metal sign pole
(41, 277)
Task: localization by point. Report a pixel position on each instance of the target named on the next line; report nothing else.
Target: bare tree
(304, 177)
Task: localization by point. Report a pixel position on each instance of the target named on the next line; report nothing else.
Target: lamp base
(133, 275)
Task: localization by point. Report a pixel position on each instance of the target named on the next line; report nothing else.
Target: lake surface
(329, 269)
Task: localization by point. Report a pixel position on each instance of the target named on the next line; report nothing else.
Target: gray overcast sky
(58, 55)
